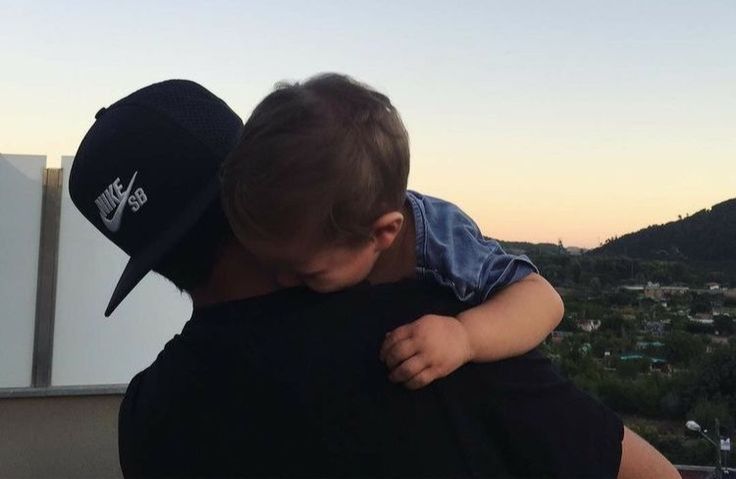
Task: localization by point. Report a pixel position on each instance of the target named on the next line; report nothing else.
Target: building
(589, 325)
(655, 364)
(655, 328)
(657, 292)
(641, 345)
(635, 287)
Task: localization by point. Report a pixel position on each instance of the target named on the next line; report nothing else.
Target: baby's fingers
(420, 380)
(408, 369)
(393, 337)
(400, 352)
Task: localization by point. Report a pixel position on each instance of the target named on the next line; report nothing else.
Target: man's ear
(386, 229)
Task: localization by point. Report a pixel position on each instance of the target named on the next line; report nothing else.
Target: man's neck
(236, 275)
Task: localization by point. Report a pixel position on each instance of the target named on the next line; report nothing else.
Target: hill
(708, 235)
(532, 249)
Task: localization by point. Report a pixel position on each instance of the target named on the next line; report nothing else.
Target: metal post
(719, 471)
(48, 252)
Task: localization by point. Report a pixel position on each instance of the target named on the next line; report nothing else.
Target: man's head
(146, 175)
(316, 184)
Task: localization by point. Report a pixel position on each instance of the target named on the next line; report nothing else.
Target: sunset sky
(544, 120)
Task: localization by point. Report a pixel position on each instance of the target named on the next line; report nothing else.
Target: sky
(571, 120)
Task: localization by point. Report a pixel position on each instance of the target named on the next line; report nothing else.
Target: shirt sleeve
(452, 251)
(544, 425)
(151, 442)
(166, 412)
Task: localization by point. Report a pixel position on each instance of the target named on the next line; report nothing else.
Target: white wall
(92, 349)
(21, 189)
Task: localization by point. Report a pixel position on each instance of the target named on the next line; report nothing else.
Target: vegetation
(647, 331)
(698, 386)
(682, 239)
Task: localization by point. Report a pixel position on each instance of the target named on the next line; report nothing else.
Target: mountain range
(708, 235)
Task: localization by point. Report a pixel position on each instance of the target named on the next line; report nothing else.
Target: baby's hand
(429, 348)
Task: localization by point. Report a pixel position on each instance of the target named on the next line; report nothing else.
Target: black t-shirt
(290, 384)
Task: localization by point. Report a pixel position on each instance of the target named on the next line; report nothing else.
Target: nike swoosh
(113, 224)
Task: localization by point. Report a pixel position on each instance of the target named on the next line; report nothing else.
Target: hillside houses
(589, 325)
(656, 291)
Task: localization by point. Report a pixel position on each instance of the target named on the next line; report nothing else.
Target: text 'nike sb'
(113, 198)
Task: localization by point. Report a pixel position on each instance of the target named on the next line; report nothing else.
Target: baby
(316, 191)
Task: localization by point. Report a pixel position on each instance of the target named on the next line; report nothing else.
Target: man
(281, 383)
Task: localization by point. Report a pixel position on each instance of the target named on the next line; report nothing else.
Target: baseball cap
(148, 169)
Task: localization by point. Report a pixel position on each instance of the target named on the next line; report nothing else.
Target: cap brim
(140, 264)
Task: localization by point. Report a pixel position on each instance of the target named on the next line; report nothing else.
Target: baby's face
(323, 269)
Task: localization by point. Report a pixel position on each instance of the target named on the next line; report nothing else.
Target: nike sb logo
(113, 200)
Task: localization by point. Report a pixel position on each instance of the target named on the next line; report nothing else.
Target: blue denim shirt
(452, 251)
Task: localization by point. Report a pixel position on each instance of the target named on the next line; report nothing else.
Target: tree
(631, 368)
(699, 303)
(595, 283)
(567, 324)
(576, 271)
(617, 324)
(724, 325)
(622, 297)
(681, 348)
(715, 376)
(706, 411)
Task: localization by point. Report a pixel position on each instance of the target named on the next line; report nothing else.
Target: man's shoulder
(306, 385)
(302, 387)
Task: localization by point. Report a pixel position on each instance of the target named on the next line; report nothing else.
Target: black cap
(148, 168)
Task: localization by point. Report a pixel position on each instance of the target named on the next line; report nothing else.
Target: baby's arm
(509, 323)
(513, 321)
(516, 308)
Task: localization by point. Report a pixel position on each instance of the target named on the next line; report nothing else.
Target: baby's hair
(326, 157)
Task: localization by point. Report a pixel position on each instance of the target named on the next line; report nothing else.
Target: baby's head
(315, 188)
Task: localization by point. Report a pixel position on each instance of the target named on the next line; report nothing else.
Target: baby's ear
(386, 229)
